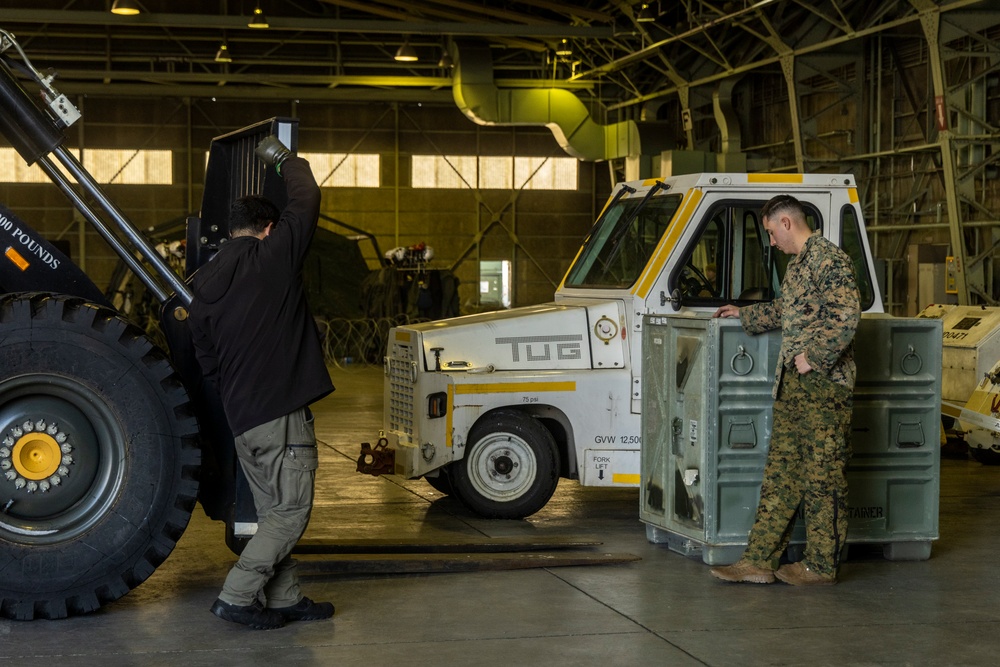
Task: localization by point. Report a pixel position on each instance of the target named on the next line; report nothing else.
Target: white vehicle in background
(496, 407)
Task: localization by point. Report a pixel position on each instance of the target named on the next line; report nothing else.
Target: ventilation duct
(477, 95)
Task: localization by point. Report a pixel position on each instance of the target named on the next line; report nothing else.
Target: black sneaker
(253, 615)
(305, 610)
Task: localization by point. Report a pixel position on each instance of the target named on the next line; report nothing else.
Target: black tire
(510, 468)
(441, 483)
(117, 453)
(987, 457)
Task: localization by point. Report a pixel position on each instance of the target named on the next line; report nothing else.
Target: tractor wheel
(98, 457)
(510, 467)
(441, 483)
(988, 457)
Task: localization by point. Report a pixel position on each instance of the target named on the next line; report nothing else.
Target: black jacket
(253, 333)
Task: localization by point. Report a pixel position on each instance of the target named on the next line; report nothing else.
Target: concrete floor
(664, 609)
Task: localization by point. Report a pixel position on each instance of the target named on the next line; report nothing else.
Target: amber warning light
(16, 257)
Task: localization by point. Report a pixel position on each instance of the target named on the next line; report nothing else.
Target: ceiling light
(125, 8)
(258, 20)
(406, 53)
(222, 55)
(446, 62)
(564, 49)
(646, 14)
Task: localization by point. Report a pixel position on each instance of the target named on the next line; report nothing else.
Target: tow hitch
(377, 460)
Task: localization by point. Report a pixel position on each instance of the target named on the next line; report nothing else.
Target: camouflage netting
(334, 273)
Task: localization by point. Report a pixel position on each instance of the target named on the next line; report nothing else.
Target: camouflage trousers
(806, 462)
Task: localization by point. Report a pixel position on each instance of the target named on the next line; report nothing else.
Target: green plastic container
(706, 422)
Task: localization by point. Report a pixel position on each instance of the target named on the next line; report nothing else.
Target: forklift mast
(36, 133)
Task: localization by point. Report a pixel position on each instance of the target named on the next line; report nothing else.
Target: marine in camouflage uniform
(818, 312)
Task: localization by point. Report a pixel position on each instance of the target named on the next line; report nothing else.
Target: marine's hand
(728, 310)
(802, 364)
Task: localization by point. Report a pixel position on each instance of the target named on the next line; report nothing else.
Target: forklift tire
(98, 456)
(510, 468)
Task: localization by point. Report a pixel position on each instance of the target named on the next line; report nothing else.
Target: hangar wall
(538, 230)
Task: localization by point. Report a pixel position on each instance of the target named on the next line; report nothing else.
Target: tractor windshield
(622, 242)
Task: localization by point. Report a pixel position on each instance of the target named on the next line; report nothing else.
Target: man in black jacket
(256, 341)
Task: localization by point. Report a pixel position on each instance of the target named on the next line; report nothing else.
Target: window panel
(494, 172)
(129, 166)
(14, 170)
(444, 171)
(552, 173)
(342, 170)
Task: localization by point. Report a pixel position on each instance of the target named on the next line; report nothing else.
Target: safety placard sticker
(610, 467)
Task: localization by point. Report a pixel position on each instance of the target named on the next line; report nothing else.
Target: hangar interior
(904, 94)
(494, 133)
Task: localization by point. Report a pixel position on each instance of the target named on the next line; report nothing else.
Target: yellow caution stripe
(451, 411)
(622, 478)
(774, 178)
(677, 225)
(514, 387)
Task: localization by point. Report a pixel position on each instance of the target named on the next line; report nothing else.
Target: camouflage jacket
(818, 312)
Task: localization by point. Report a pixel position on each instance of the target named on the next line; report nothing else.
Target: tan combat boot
(798, 574)
(743, 571)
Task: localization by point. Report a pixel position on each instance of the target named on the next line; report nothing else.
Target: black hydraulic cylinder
(28, 129)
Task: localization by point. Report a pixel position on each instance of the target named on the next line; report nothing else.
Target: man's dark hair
(784, 204)
(251, 214)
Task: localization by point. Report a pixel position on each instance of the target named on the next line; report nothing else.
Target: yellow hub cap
(36, 456)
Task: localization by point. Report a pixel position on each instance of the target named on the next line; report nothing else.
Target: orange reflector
(437, 405)
(16, 257)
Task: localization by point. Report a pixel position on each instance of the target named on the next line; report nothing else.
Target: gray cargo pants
(279, 459)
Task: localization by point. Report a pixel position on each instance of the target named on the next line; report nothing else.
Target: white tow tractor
(970, 377)
(979, 418)
(496, 407)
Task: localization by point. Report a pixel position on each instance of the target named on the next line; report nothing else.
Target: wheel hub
(503, 464)
(35, 456)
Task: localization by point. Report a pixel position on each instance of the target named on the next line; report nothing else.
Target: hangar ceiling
(902, 93)
(343, 49)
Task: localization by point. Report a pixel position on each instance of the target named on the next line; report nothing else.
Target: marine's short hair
(787, 204)
(251, 214)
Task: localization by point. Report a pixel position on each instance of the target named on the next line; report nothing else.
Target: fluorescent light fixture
(258, 20)
(222, 55)
(406, 53)
(125, 8)
(646, 14)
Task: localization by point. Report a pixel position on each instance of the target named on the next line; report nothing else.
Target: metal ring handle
(741, 354)
(911, 354)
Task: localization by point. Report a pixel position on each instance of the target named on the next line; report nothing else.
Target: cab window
(731, 259)
(623, 241)
(850, 241)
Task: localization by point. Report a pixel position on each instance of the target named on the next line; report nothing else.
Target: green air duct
(477, 95)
